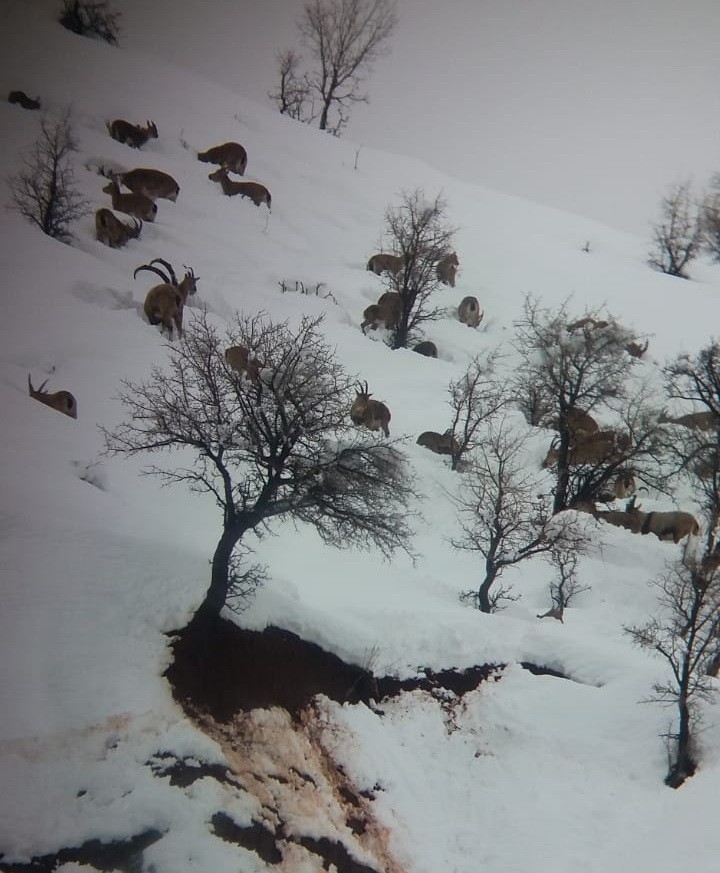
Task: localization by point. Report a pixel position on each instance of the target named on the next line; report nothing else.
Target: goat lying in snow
(373, 414)
(63, 401)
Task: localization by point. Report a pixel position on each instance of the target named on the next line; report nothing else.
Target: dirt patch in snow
(241, 670)
(256, 694)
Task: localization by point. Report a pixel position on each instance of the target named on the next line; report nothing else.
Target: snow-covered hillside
(98, 563)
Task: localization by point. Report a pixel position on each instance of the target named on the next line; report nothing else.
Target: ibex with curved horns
(164, 303)
(372, 414)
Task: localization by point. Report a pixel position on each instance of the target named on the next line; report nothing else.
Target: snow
(98, 563)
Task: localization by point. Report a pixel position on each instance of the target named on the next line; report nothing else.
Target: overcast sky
(594, 106)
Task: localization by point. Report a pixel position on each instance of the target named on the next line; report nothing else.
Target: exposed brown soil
(238, 670)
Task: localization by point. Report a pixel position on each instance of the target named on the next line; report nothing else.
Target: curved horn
(168, 267)
(191, 273)
(155, 270)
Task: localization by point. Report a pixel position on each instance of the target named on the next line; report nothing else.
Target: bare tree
(504, 518)
(566, 585)
(43, 191)
(344, 38)
(475, 398)
(686, 634)
(711, 217)
(582, 366)
(679, 235)
(93, 18)
(273, 442)
(418, 233)
(293, 90)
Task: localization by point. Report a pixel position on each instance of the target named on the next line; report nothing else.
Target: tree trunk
(684, 765)
(216, 595)
(483, 595)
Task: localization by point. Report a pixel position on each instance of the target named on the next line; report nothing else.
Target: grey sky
(594, 106)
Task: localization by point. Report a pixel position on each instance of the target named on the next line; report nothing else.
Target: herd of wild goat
(164, 304)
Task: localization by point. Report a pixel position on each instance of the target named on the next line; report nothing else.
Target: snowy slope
(97, 562)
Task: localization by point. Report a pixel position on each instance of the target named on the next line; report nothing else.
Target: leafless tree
(475, 398)
(417, 231)
(293, 91)
(711, 217)
(581, 365)
(93, 18)
(686, 633)
(504, 517)
(278, 442)
(679, 234)
(344, 39)
(566, 584)
(44, 189)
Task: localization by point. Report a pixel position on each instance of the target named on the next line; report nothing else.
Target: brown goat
(580, 423)
(152, 183)
(243, 360)
(669, 525)
(469, 311)
(446, 269)
(138, 205)
(601, 446)
(133, 135)
(588, 323)
(427, 348)
(625, 484)
(164, 304)
(63, 401)
(230, 155)
(113, 232)
(373, 414)
(694, 420)
(384, 263)
(22, 98)
(254, 190)
(441, 444)
(635, 350)
(387, 311)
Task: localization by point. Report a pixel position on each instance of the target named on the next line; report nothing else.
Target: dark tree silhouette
(678, 236)
(417, 231)
(278, 442)
(43, 191)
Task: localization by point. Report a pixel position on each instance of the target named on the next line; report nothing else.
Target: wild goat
(446, 269)
(579, 423)
(440, 443)
(373, 414)
(254, 190)
(383, 263)
(588, 323)
(387, 311)
(152, 183)
(635, 350)
(669, 525)
(22, 98)
(63, 401)
(625, 484)
(230, 155)
(113, 232)
(469, 311)
(427, 348)
(131, 134)
(694, 420)
(164, 303)
(665, 525)
(243, 360)
(138, 205)
(601, 446)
